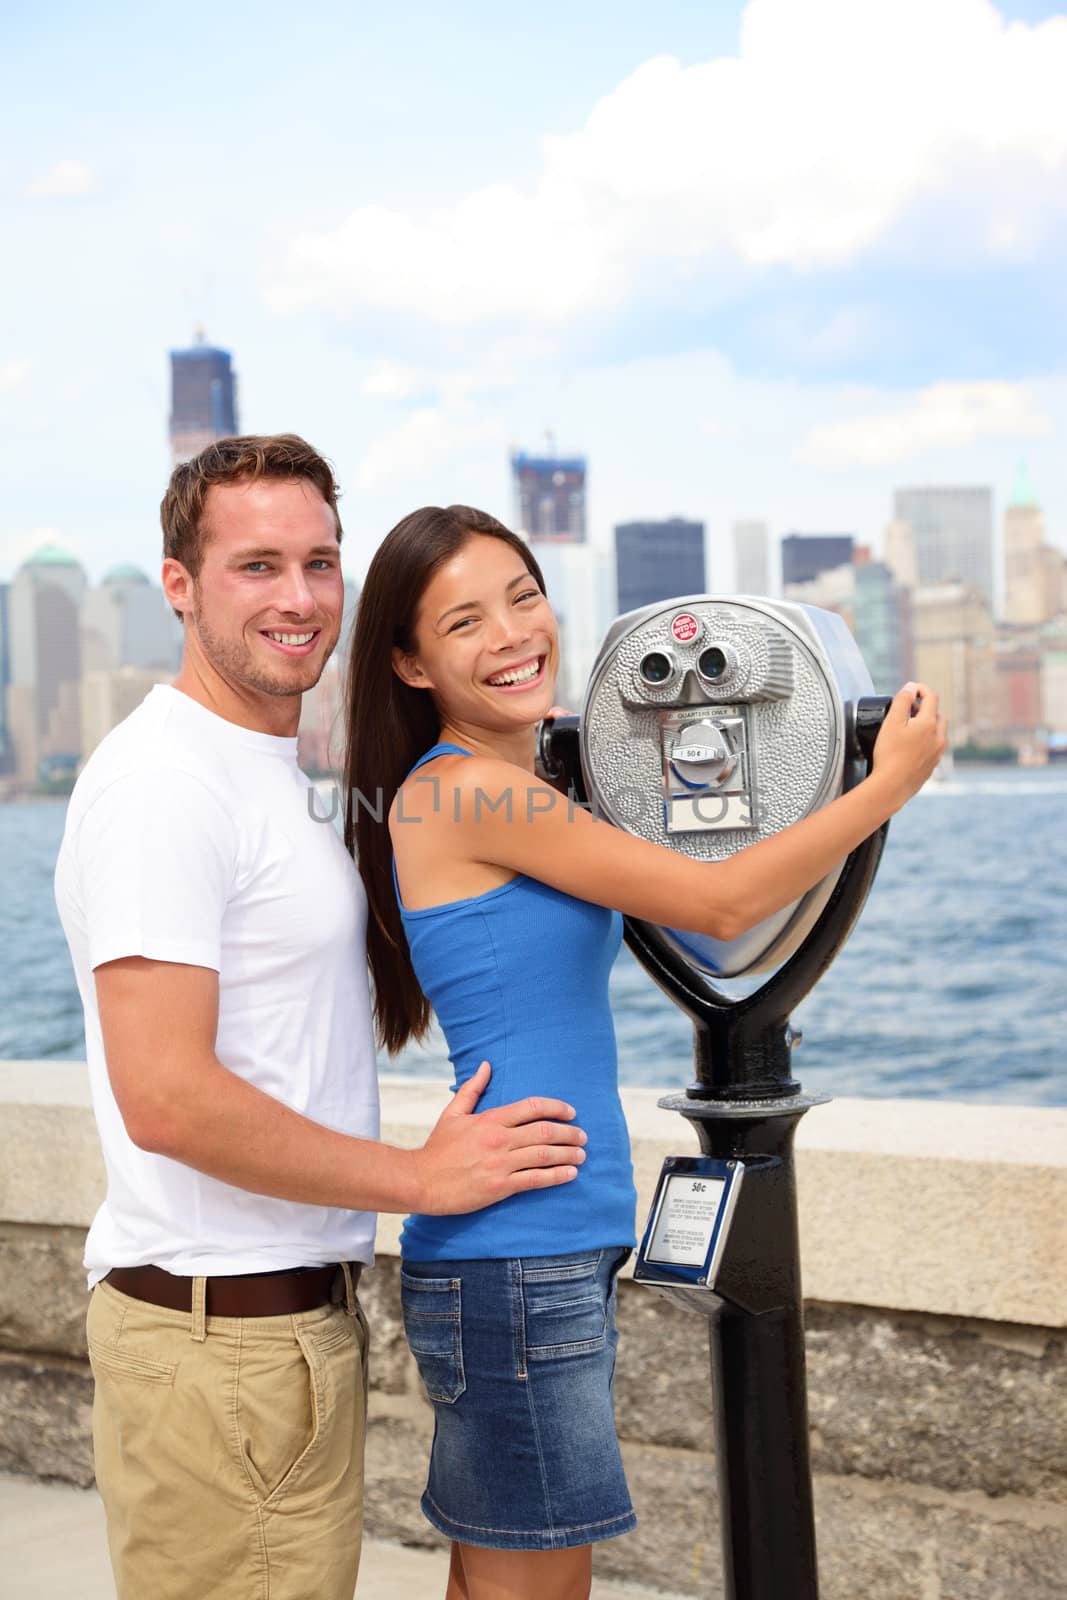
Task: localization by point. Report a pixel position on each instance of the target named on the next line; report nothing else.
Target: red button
(685, 627)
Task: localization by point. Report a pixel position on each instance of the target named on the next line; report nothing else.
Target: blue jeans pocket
(434, 1329)
(566, 1309)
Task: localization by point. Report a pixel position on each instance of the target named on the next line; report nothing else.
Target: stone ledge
(47, 1407)
(885, 1541)
(43, 1298)
(51, 1168)
(914, 1400)
(921, 1206)
(894, 1542)
(914, 1418)
(894, 1396)
(891, 1395)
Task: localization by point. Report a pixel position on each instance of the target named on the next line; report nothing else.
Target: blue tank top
(518, 977)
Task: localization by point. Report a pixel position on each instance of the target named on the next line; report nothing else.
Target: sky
(768, 260)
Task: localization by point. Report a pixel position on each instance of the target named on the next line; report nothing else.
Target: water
(953, 986)
(40, 1012)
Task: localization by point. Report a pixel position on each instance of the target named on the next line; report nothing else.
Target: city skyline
(719, 542)
(659, 256)
(549, 490)
(76, 657)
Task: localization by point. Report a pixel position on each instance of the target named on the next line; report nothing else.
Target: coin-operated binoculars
(707, 725)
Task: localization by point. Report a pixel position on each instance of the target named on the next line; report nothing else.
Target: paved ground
(52, 1548)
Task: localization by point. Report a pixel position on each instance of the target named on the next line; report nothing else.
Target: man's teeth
(292, 638)
(520, 675)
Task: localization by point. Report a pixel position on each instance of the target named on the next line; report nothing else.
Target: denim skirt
(518, 1358)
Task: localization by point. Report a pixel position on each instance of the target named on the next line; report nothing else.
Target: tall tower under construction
(549, 496)
(203, 403)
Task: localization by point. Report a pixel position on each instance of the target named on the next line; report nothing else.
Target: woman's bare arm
(491, 813)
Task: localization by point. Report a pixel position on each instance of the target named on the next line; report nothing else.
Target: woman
(501, 909)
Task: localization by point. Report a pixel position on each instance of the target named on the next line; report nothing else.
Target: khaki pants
(229, 1450)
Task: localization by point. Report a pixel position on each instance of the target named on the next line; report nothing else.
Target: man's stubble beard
(233, 661)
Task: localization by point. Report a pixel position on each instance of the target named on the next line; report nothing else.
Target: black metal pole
(745, 1103)
(756, 1339)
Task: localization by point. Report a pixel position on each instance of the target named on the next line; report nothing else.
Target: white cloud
(845, 332)
(64, 180)
(452, 411)
(838, 121)
(391, 380)
(943, 416)
(12, 373)
(427, 435)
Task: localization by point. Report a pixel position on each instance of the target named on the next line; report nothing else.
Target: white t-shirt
(190, 839)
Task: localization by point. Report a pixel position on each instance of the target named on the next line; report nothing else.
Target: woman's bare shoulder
(419, 796)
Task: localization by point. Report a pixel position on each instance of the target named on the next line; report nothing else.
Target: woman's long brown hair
(389, 725)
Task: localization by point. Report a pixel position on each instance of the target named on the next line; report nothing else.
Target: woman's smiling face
(486, 640)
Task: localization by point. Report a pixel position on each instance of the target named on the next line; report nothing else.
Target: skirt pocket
(433, 1325)
(566, 1307)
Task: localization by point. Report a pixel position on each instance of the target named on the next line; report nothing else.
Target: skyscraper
(883, 622)
(806, 556)
(900, 554)
(1054, 682)
(953, 635)
(1033, 569)
(1024, 540)
(580, 582)
(203, 402)
(751, 572)
(125, 622)
(658, 561)
(549, 497)
(953, 530)
(43, 703)
(322, 724)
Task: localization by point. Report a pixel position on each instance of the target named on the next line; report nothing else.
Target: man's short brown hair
(238, 460)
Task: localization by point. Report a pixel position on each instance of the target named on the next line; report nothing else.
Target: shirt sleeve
(157, 856)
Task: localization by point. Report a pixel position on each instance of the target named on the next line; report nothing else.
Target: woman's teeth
(520, 675)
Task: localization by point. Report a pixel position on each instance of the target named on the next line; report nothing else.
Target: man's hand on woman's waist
(475, 1158)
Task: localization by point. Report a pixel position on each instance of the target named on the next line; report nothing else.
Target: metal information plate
(688, 1227)
(685, 1221)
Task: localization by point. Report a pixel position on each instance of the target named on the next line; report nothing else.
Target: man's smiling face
(267, 603)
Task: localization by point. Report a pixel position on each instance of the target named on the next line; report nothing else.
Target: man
(217, 937)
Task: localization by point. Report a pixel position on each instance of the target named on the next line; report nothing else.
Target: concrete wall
(934, 1242)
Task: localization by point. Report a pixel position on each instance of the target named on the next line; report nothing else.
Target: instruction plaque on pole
(689, 1221)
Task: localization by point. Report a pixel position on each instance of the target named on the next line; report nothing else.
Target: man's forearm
(234, 1132)
(159, 1021)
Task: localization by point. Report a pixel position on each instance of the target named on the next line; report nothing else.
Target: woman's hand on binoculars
(912, 740)
(560, 781)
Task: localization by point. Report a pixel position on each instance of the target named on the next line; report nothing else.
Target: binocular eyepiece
(711, 723)
(716, 666)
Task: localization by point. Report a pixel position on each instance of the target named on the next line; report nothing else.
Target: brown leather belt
(255, 1294)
